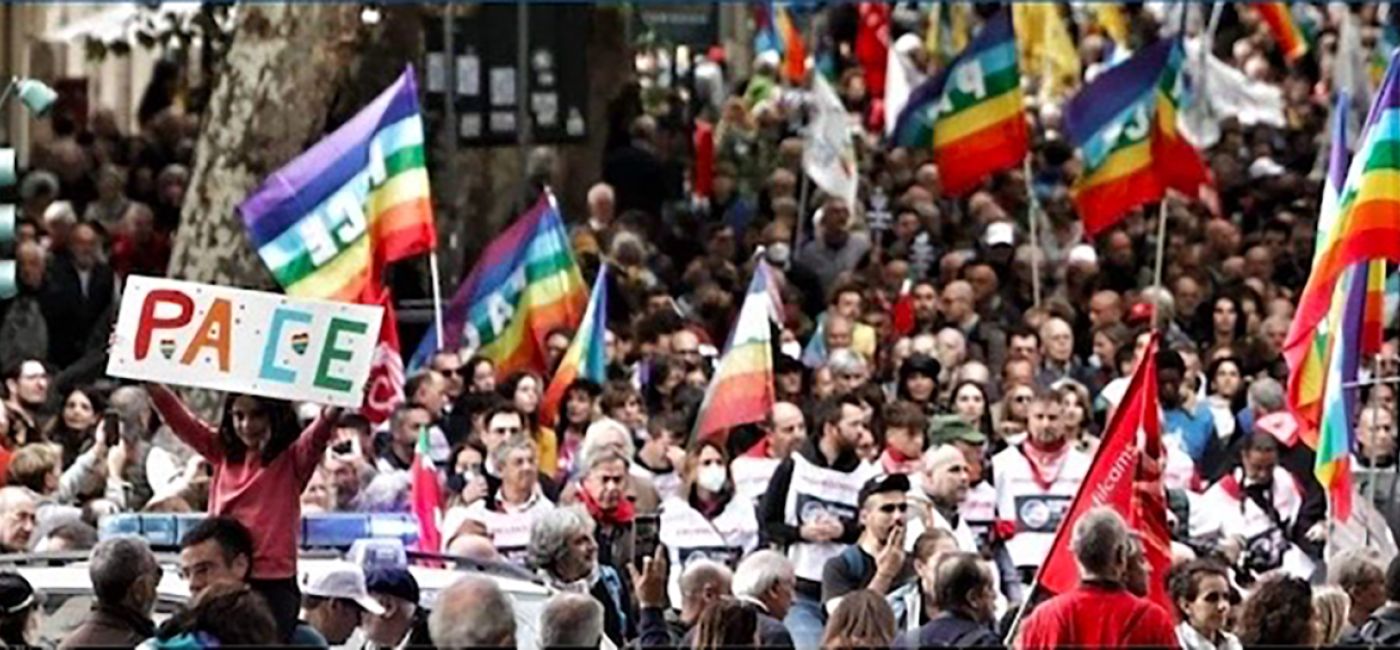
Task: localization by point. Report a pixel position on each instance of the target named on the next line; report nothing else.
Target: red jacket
(266, 499)
(1097, 615)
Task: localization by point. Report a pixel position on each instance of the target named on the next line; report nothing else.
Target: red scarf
(1045, 463)
(622, 515)
(895, 462)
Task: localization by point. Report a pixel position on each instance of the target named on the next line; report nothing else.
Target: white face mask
(711, 478)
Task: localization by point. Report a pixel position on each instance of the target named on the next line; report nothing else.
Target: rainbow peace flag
(972, 112)
(1367, 225)
(1289, 37)
(741, 391)
(1308, 362)
(1336, 437)
(328, 222)
(1125, 125)
(585, 357)
(525, 284)
(775, 31)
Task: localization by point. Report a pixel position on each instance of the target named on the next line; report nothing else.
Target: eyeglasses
(891, 508)
(452, 372)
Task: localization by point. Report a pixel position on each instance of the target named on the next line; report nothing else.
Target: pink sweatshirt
(266, 499)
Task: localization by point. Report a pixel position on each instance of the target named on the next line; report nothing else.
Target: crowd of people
(908, 482)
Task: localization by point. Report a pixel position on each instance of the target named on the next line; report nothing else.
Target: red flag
(872, 44)
(425, 495)
(1126, 476)
(384, 388)
(902, 314)
(703, 180)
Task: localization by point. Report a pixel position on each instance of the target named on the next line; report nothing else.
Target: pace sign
(242, 341)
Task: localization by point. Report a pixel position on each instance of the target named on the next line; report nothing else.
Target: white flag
(1230, 94)
(828, 152)
(900, 79)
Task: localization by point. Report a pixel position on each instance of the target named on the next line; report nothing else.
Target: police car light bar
(329, 530)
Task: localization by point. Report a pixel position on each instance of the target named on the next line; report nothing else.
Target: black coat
(70, 312)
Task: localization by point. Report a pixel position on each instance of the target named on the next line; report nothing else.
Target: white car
(68, 596)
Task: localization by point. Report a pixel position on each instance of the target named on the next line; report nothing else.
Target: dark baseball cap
(883, 485)
(393, 581)
(15, 593)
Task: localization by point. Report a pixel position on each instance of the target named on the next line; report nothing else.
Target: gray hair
(591, 456)
(604, 425)
(473, 612)
(846, 361)
(551, 533)
(502, 451)
(758, 573)
(704, 571)
(133, 407)
(11, 496)
(1100, 539)
(1355, 568)
(571, 621)
(1265, 394)
(116, 564)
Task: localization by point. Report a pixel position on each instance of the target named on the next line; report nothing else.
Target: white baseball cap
(340, 579)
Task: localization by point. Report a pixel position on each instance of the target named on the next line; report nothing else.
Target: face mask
(711, 478)
(1095, 362)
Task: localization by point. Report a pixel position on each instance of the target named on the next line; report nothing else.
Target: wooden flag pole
(1157, 268)
(1033, 215)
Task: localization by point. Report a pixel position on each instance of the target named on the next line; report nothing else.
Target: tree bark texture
(276, 89)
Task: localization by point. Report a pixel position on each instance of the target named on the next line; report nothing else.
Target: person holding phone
(707, 520)
(262, 462)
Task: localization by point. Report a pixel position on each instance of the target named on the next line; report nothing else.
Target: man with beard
(877, 561)
(1035, 482)
(812, 505)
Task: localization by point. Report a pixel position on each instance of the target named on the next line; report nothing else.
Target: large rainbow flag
(1307, 363)
(1287, 35)
(329, 222)
(1367, 225)
(585, 357)
(972, 112)
(741, 391)
(1125, 125)
(525, 284)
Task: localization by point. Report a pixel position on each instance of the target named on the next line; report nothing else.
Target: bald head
(958, 301)
(702, 583)
(473, 612)
(1105, 307)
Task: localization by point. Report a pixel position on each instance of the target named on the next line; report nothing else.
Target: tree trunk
(274, 93)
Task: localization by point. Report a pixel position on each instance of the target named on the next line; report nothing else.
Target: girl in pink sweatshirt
(262, 461)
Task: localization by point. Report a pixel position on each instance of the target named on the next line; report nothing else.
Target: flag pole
(1161, 252)
(1033, 215)
(437, 296)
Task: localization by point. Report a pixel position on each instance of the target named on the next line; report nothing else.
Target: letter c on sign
(149, 322)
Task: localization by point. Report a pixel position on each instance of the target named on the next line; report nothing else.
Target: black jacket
(70, 312)
(772, 524)
(1381, 629)
(950, 630)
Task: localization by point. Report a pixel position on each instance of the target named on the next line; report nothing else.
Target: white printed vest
(812, 492)
(752, 475)
(509, 531)
(688, 536)
(1035, 511)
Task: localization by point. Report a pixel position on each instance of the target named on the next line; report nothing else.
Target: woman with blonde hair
(1331, 606)
(862, 620)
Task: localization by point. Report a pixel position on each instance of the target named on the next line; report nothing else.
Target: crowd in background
(906, 486)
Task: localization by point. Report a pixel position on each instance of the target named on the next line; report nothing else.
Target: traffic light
(8, 288)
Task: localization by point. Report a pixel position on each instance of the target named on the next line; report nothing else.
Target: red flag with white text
(1126, 476)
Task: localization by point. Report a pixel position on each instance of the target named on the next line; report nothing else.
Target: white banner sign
(242, 341)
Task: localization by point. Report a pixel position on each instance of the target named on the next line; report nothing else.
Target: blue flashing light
(327, 530)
